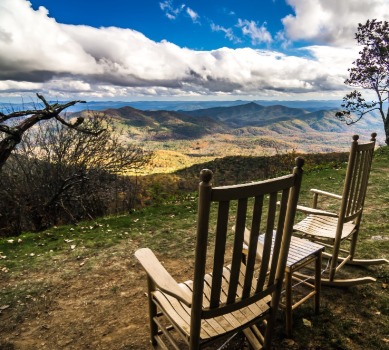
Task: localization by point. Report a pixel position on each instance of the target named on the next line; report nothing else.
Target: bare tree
(57, 174)
(370, 72)
(14, 125)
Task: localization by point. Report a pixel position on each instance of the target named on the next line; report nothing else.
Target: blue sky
(198, 25)
(180, 50)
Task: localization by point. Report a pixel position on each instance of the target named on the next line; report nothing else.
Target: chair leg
(354, 239)
(152, 313)
(253, 337)
(288, 304)
(272, 317)
(318, 262)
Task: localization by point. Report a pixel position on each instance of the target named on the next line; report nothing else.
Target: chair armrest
(308, 210)
(325, 193)
(161, 277)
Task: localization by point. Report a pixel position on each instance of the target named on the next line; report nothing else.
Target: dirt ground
(98, 302)
(94, 303)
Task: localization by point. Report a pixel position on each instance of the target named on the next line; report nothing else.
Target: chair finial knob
(373, 136)
(206, 175)
(299, 162)
(355, 137)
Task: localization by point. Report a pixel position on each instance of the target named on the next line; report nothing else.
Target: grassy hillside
(80, 287)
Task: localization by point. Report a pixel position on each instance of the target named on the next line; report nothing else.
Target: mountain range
(250, 114)
(182, 138)
(310, 105)
(248, 119)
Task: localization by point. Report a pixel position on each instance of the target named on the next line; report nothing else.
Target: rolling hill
(248, 129)
(250, 114)
(162, 125)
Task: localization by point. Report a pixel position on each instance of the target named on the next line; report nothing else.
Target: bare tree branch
(53, 109)
(76, 125)
(14, 134)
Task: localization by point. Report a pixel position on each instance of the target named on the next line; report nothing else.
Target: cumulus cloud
(331, 22)
(87, 62)
(46, 49)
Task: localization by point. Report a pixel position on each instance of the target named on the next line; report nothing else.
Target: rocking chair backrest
(254, 206)
(357, 177)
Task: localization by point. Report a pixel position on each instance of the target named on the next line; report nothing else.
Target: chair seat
(323, 227)
(179, 313)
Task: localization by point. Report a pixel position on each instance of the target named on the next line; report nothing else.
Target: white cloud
(280, 37)
(229, 33)
(331, 22)
(170, 11)
(192, 14)
(86, 62)
(257, 34)
(19, 86)
(45, 48)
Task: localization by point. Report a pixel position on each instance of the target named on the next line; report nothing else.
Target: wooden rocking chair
(334, 229)
(235, 296)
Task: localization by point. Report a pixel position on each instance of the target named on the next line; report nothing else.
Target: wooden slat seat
(324, 227)
(179, 313)
(299, 249)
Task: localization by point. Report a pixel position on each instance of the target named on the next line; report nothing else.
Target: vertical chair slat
(270, 224)
(237, 249)
(267, 241)
(280, 225)
(353, 181)
(369, 161)
(359, 181)
(362, 193)
(220, 243)
(253, 243)
(345, 205)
